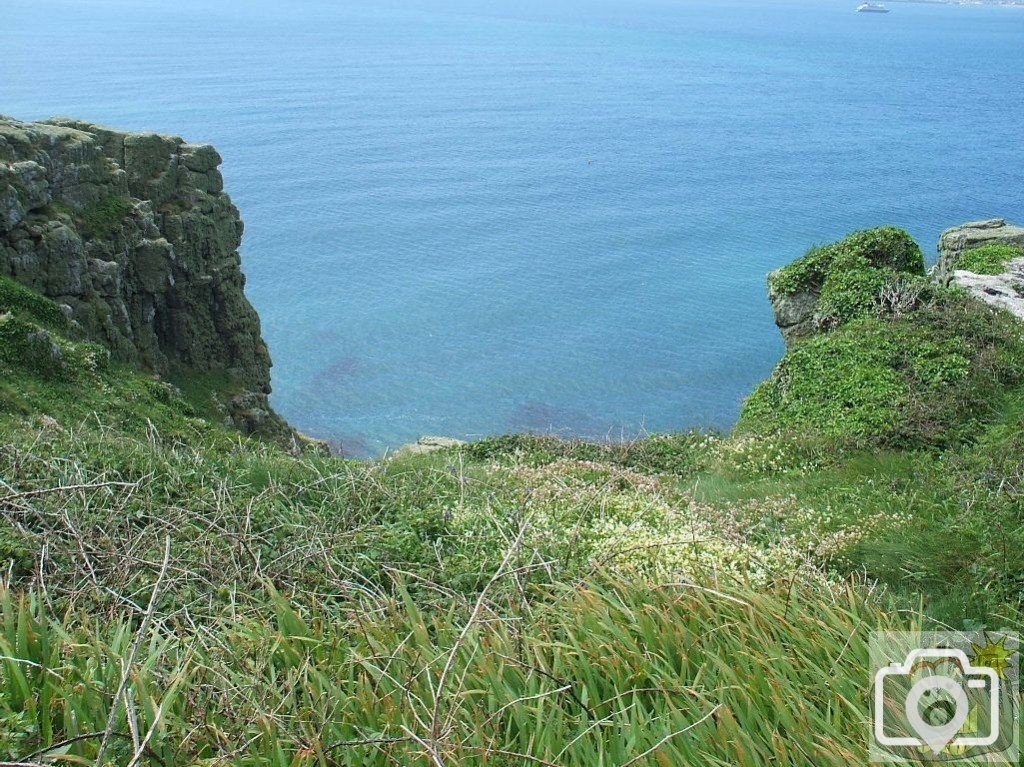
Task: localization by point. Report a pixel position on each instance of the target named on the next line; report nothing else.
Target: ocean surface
(468, 217)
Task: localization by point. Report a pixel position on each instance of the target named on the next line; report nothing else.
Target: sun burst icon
(994, 655)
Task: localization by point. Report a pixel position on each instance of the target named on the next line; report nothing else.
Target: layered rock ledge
(133, 236)
(1005, 288)
(956, 240)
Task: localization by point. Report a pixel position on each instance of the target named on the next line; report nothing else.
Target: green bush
(103, 219)
(988, 259)
(853, 288)
(924, 380)
(534, 449)
(883, 247)
(843, 384)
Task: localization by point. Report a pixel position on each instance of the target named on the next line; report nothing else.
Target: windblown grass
(175, 593)
(606, 673)
(520, 607)
(523, 608)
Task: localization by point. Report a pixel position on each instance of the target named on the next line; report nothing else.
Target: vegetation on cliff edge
(988, 259)
(176, 593)
(897, 361)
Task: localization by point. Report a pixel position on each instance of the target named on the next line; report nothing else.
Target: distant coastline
(1003, 3)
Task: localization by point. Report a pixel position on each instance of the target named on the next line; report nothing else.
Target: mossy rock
(103, 220)
(134, 236)
(18, 300)
(27, 347)
(833, 284)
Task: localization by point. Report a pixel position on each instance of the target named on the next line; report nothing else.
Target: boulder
(427, 445)
(1005, 290)
(973, 234)
(794, 313)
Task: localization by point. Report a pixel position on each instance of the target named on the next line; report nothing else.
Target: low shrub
(680, 453)
(924, 380)
(104, 219)
(988, 259)
(885, 247)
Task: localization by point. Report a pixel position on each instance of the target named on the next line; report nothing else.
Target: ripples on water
(469, 218)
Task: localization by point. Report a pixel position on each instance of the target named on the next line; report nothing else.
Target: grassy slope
(522, 600)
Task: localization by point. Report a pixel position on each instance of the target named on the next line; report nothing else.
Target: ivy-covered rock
(833, 284)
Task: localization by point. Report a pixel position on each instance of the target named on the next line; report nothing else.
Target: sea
(474, 217)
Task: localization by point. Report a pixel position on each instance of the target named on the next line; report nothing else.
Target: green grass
(681, 599)
(311, 601)
(988, 259)
(598, 674)
(15, 298)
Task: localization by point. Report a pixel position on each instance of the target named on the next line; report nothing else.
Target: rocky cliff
(882, 270)
(985, 258)
(132, 235)
(974, 234)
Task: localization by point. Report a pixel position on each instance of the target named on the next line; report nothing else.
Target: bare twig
(365, 742)
(669, 737)
(481, 600)
(70, 742)
(515, 754)
(133, 654)
(140, 749)
(63, 489)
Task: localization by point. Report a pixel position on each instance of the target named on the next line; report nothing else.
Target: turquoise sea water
(471, 217)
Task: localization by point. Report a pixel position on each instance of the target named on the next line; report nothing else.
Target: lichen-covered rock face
(1005, 290)
(969, 236)
(985, 258)
(132, 235)
(794, 313)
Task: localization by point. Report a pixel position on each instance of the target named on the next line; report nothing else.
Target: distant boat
(872, 8)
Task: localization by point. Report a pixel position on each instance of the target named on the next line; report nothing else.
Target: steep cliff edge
(831, 283)
(133, 237)
(880, 355)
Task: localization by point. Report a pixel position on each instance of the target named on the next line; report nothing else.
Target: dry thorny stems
(113, 538)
